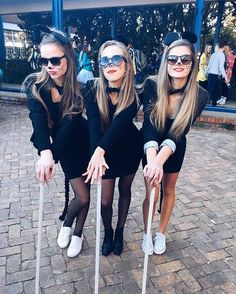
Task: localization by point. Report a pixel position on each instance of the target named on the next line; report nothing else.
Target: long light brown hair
(161, 109)
(71, 98)
(127, 92)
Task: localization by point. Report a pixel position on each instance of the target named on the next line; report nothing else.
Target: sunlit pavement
(201, 239)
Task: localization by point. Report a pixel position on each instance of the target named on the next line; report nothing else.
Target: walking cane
(39, 237)
(149, 224)
(98, 225)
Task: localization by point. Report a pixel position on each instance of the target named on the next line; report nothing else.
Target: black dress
(151, 133)
(121, 141)
(68, 138)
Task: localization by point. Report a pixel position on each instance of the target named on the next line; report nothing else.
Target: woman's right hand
(97, 166)
(45, 167)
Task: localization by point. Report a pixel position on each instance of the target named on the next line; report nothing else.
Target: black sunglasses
(115, 60)
(56, 61)
(184, 59)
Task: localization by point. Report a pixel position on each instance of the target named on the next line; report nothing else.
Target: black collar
(110, 89)
(175, 91)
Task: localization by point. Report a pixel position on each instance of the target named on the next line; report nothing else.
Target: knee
(106, 203)
(84, 201)
(124, 191)
(169, 192)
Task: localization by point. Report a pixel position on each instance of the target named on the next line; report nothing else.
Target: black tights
(124, 187)
(79, 205)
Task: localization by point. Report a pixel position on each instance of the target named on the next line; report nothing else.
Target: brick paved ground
(201, 240)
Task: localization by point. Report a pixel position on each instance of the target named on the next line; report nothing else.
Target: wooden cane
(40, 220)
(98, 225)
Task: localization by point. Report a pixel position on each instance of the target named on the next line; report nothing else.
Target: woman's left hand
(97, 166)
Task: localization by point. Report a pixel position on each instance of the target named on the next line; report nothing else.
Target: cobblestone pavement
(201, 239)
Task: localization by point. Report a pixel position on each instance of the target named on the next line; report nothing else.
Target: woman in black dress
(115, 142)
(60, 133)
(172, 102)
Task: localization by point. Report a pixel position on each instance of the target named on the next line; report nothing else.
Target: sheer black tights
(124, 187)
(79, 205)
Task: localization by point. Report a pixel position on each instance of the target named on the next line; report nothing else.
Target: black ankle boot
(118, 241)
(107, 242)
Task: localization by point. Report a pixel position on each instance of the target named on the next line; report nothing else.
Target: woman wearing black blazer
(115, 142)
(60, 132)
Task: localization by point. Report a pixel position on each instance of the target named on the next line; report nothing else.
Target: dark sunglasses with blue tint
(115, 60)
(183, 59)
(56, 61)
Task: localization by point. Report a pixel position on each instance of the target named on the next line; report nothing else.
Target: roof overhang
(20, 6)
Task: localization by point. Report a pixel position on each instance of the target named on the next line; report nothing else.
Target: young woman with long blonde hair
(116, 146)
(172, 102)
(60, 132)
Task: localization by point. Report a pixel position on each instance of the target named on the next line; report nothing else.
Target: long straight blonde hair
(71, 98)
(161, 109)
(127, 92)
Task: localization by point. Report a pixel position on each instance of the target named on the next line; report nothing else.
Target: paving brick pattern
(201, 239)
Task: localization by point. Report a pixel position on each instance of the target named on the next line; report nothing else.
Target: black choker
(112, 90)
(175, 91)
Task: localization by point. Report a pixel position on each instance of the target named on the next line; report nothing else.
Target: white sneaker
(160, 243)
(63, 238)
(222, 102)
(219, 101)
(147, 245)
(75, 246)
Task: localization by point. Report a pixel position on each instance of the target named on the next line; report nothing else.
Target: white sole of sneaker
(159, 252)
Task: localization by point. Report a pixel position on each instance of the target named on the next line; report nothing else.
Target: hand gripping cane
(98, 225)
(39, 238)
(149, 224)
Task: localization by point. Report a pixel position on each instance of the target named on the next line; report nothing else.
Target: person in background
(60, 132)
(203, 62)
(115, 142)
(172, 102)
(215, 71)
(86, 73)
(230, 59)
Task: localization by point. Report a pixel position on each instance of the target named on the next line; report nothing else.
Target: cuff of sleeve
(149, 144)
(169, 143)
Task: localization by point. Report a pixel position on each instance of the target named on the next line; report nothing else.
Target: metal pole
(2, 43)
(114, 23)
(198, 22)
(57, 14)
(218, 23)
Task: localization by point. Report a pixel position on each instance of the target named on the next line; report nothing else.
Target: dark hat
(122, 39)
(104, 39)
(170, 38)
(189, 36)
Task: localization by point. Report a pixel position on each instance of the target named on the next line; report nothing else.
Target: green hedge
(15, 71)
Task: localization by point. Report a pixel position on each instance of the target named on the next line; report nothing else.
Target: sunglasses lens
(116, 59)
(172, 59)
(186, 59)
(55, 61)
(43, 61)
(104, 61)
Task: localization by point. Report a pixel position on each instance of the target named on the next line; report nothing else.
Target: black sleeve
(149, 98)
(118, 126)
(38, 116)
(93, 114)
(66, 130)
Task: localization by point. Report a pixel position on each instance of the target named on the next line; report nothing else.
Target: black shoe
(118, 242)
(107, 242)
